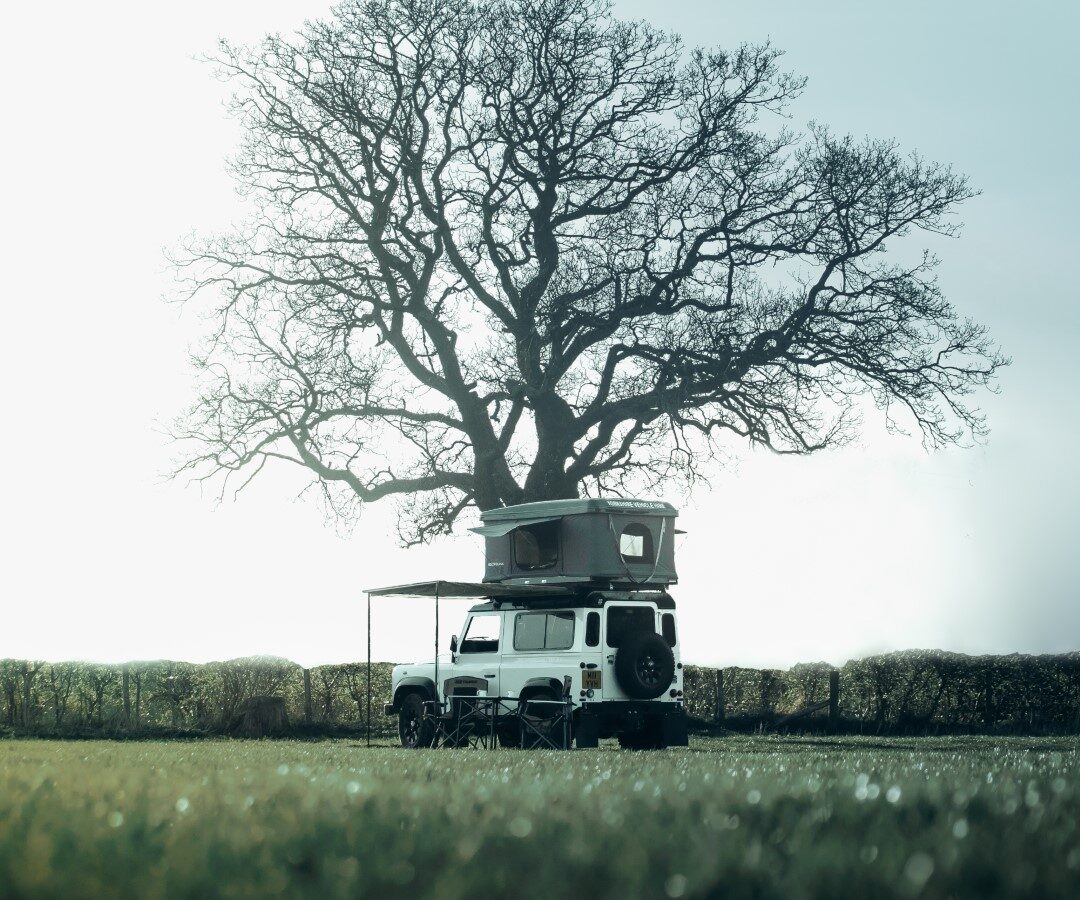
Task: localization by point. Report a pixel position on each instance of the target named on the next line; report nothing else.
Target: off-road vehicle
(577, 621)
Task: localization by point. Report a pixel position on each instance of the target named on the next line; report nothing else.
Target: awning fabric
(470, 590)
(498, 529)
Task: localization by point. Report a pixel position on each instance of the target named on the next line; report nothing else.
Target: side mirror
(453, 643)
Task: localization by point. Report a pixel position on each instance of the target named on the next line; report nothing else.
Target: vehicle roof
(468, 590)
(594, 599)
(555, 508)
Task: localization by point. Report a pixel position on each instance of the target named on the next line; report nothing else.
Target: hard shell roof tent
(617, 542)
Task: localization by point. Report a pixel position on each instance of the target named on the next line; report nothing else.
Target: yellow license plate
(591, 678)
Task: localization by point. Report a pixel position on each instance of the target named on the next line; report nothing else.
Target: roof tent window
(536, 546)
(636, 544)
(544, 631)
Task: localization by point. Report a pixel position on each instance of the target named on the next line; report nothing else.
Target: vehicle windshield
(482, 635)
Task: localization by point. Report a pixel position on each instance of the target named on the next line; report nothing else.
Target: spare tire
(644, 665)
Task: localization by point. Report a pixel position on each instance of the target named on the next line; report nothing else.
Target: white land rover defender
(577, 614)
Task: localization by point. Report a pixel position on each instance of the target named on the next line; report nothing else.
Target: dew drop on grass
(182, 805)
(960, 829)
(753, 797)
(116, 819)
(893, 794)
(675, 886)
(919, 868)
(520, 827)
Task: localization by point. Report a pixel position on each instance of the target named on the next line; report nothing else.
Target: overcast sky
(114, 149)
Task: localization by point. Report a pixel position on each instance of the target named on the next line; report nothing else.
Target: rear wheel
(414, 729)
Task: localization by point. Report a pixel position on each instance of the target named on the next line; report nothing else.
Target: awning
(498, 529)
(471, 590)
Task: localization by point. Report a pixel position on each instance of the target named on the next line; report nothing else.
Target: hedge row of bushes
(911, 692)
(180, 698)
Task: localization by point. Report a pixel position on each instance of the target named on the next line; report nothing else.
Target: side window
(592, 629)
(536, 546)
(636, 544)
(667, 626)
(544, 631)
(481, 635)
(623, 621)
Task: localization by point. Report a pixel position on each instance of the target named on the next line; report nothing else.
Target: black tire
(414, 730)
(645, 665)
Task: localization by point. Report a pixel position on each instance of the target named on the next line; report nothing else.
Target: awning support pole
(367, 729)
(438, 705)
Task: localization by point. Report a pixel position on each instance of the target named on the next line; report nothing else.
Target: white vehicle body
(518, 650)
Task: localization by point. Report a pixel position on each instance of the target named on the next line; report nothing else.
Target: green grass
(738, 817)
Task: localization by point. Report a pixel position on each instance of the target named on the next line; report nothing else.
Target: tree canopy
(512, 251)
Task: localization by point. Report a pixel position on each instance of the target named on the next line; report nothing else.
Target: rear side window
(667, 627)
(623, 621)
(544, 631)
(536, 546)
(592, 629)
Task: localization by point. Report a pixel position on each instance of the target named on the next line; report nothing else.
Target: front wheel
(414, 729)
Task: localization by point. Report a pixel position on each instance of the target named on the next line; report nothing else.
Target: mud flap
(586, 732)
(674, 729)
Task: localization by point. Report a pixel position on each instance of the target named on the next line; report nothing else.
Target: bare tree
(94, 683)
(512, 251)
(9, 685)
(61, 681)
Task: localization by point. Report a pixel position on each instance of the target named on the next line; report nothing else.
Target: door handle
(492, 675)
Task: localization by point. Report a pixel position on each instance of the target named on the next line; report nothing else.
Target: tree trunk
(307, 697)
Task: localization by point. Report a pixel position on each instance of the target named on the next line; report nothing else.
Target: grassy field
(730, 817)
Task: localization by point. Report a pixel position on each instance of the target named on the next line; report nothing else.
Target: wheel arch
(413, 684)
(541, 683)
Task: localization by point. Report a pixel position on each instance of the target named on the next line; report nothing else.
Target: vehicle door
(479, 650)
(540, 644)
(620, 621)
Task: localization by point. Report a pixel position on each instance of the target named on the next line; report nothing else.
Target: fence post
(127, 698)
(307, 696)
(988, 698)
(834, 699)
(720, 698)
